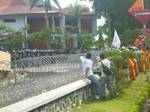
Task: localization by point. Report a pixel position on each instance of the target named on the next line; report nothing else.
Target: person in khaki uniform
(105, 80)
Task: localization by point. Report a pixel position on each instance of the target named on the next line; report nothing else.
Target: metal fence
(33, 76)
(27, 53)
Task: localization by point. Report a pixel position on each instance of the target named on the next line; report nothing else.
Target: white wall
(20, 21)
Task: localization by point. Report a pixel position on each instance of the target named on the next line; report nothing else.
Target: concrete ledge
(47, 97)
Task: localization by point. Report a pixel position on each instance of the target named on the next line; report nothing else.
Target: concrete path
(146, 107)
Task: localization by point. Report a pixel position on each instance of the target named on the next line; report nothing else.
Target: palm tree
(77, 12)
(48, 6)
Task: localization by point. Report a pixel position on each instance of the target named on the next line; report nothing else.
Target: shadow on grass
(121, 87)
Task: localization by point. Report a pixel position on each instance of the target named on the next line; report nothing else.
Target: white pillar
(62, 23)
(62, 26)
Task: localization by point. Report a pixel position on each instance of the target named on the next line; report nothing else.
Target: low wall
(58, 100)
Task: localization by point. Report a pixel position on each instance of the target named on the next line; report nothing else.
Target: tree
(128, 36)
(86, 41)
(102, 30)
(101, 42)
(147, 4)
(118, 63)
(116, 12)
(45, 36)
(6, 30)
(15, 43)
(77, 12)
(48, 6)
(147, 42)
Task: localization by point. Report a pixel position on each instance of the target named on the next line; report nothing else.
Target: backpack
(106, 70)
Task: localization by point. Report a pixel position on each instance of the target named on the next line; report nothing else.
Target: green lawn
(132, 96)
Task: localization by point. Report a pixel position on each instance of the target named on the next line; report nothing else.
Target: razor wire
(27, 53)
(33, 76)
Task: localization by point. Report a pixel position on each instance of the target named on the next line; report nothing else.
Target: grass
(132, 96)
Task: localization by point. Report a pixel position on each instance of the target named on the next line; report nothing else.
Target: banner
(116, 43)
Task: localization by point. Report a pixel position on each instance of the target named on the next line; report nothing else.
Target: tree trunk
(46, 12)
(79, 31)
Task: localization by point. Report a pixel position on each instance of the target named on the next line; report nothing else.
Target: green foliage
(26, 27)
(58, 30)
(147, 42)
(71, 28)
(101, 42)
(4, 29)
(116, 13)
(46, 35)
(119, 62)
(55, 43)
(130, 99)
(47, 4)
(23, 30)
(128, 36)
(102, 30)
(116, 58)
(112, 53)
(76, 10)
(147, 4)
(15, 43)
(128, 54)
(86, 41)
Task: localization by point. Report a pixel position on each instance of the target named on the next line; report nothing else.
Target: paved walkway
(146, 107)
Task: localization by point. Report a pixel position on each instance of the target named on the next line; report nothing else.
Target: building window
(9, 20)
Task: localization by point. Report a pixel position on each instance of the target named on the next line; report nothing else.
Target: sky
(65, 3)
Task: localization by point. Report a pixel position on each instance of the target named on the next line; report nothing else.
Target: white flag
(116, 43)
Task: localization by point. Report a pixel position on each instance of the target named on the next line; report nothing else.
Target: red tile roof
(13, 7)
(68, 11)
(22, 9)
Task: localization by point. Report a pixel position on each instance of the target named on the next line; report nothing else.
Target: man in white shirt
(105, 80)
(87, 64)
